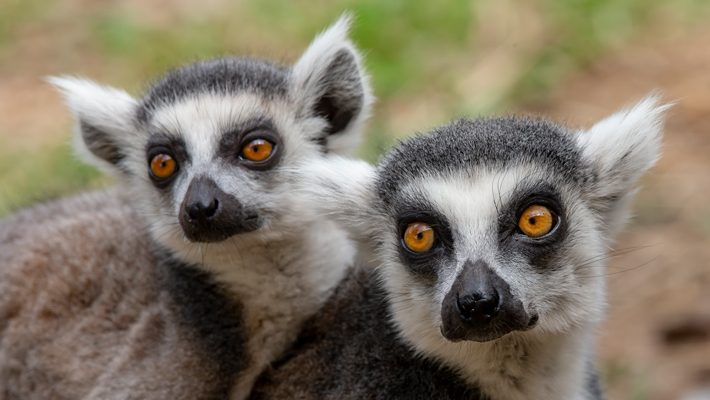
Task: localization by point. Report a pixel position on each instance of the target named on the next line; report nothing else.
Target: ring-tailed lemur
(199, 269)
(492, 237)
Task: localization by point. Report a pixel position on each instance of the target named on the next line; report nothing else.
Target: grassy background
(430, 61)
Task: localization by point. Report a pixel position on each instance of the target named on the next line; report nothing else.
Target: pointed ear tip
(68, 85)
(339, 31)
(60, 83)
(53, 79)
(654, 105)
(345, 21)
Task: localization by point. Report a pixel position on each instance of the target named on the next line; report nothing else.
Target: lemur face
(214, 162)
(486, 216)
(496, 226)
(488, 252)
(205, 150)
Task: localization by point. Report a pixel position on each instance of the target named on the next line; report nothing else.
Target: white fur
(622, 147)
(103, 107)
(343, 186)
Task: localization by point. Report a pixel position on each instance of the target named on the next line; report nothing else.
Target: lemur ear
(104, 122)
(621, 148)
(341, 189)
(329, 81)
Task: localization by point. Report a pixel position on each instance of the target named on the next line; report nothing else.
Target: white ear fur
(104, 120)
(331, 69)
(621, 148)
(341, 189)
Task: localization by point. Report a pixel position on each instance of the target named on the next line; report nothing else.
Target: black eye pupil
(419, 236)
(532, 221)
(255, 149)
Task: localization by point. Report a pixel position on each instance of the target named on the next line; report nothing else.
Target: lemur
(198, 269)
(491, 237)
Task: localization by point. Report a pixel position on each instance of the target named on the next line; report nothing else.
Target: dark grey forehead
(221, 76)
(496, 143)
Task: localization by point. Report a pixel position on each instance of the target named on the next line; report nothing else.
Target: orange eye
(419, 237)
(162, 166)
(537, 221)
(258, 150)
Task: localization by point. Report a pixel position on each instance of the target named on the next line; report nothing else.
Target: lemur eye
(162, 166)
(537, 221)
(257, 150)
(419, 237)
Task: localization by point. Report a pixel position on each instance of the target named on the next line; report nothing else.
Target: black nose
(478, 306)
(208, 214)
(201, 211)
(481, 307)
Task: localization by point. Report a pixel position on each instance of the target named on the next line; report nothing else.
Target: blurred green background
(430, 61)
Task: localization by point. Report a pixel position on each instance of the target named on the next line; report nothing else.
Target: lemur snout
(208, 214)
(480, 306)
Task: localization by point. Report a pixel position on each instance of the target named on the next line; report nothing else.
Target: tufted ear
(104, 131)
(329, 81)
(621, 148)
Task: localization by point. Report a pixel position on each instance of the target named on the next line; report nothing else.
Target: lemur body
(199, 269)
(92, 309)
(491, 236)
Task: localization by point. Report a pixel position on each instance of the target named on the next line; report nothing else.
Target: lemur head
(493, 226)
(205, 149)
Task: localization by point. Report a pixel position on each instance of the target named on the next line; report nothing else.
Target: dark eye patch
(425, 265)
(234, 140)
(536, 249)
(173, 146)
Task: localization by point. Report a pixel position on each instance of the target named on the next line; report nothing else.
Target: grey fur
(98, 325)
(491, 142)
(228, 76)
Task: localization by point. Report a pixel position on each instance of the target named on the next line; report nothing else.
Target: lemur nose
(478, 306)
(201, 211)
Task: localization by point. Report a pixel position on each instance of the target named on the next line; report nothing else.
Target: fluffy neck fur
(282, 282)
